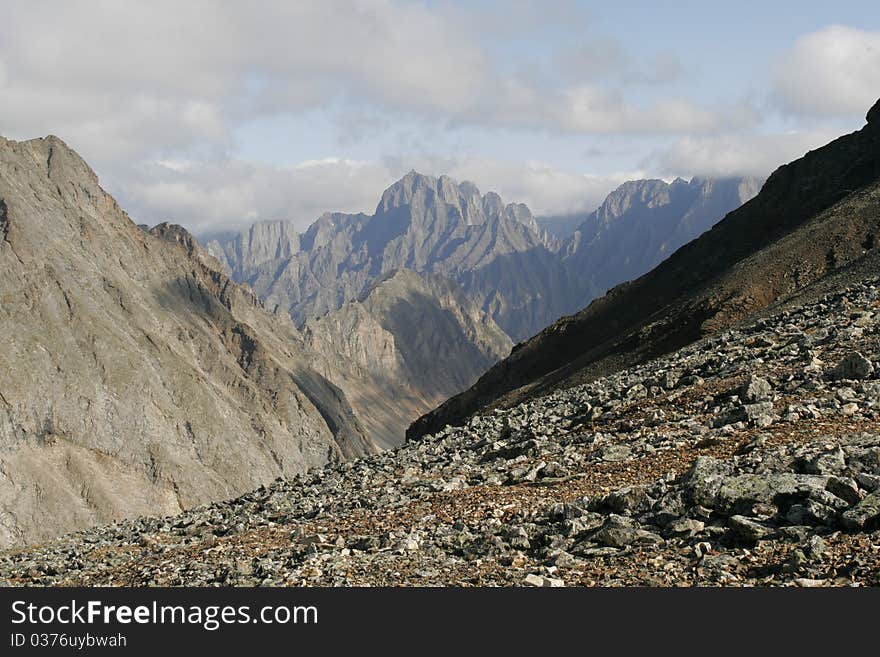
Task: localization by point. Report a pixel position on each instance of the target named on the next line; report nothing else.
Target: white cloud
(153, 94)
(603, 57)
(733, 154)
(227, 194)
(835, 71)
(166, 75)
(545, 189)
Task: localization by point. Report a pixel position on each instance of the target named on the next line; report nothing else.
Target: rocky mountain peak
(404, 190)
(133, 345)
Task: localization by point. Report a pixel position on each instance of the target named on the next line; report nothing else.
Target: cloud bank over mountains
(166, 117)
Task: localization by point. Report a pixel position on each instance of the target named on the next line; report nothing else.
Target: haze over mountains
(492, 250)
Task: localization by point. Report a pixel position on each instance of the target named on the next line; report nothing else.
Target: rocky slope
(811, 218)
(410, 343)
(135, 377)
(751, 457)
(643, 222)
(494, 251)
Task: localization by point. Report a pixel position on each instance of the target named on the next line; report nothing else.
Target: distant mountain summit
(494, 251)
(511, 267)
(642, 222)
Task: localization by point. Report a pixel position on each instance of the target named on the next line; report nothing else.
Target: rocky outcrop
(135, 376)
(412, 341)
(813, 217)
(268, 241)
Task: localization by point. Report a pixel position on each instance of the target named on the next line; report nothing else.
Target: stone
(844, 488)
(867, 481)
(810, 512)
(807, 583)
(686, 526)
(738, 494)
(863, 516)
(702, 548)
(584, 523)
(616, 453)
(830, 463)
(755, 389)
(616, 536)
(853, 366)
(816, 547)
(543, 581)
(562, 511)
(746, 530)
(314, 539)
(407, 544)
(628, 501)
(849, 409)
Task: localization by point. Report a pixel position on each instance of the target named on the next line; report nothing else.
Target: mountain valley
(712, 419)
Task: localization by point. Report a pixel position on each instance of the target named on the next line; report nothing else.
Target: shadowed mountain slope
(643, 222)
(411, 342)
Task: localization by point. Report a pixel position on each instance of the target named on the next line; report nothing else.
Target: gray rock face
(135, 377)
(854, 366)
(756, 389)
(866, 514)
(411, 342)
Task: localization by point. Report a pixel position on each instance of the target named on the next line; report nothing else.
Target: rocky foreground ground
(751, 458)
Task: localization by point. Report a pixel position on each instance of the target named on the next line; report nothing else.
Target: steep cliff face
(494, 251)
(643, 222)
(135, 377)
(812, 217)
(262, 242)
(410, 342)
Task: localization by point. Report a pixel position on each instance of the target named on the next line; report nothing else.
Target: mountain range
(494, 252)
(410, 299)
(514, 270)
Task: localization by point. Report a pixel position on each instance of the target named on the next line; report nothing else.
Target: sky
(214, 115)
